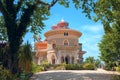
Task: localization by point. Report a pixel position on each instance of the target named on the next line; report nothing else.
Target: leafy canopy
(110, 45)
(3, 32)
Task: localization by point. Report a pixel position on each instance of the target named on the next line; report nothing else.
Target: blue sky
(91, 32)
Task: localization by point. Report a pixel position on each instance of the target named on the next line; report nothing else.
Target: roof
(40, 45)
(61, 25)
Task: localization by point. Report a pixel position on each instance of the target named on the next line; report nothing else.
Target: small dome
(61, 25)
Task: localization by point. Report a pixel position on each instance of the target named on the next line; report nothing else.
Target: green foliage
(88, 66)
(4, 73)
(25, 58)
(91, 60)
(107, 11)
(3, 32)
(97, 63)
(73, 67)
(115, 77)
(109, 45)
(60, 67)
(109, 66)
(117, 69)
(36, 68)
(85, 66)
(46, 65)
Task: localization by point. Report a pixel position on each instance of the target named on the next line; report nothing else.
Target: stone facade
(61, 46)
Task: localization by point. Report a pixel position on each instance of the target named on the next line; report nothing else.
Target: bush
(60, 67)
(115, 77)
(46, 64)
(37, 68)
(117, 69)
(74, 67)
(88, 66)
(5, 74)
(69, 67)
(107, 67)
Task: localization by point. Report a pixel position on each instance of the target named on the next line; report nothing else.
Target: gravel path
(98, 74)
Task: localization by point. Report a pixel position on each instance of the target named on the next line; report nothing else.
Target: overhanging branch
(25, 19)
(2, 9)
(41, 2)
(52, 3)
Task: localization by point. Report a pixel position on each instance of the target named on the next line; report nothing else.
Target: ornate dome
(61, 25)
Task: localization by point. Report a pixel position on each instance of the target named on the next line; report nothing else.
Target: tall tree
(110, 45)
(107, 11)
(18, 15)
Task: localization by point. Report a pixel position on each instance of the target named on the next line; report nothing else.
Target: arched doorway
(67, 59)
(53, 59)
(62, 59)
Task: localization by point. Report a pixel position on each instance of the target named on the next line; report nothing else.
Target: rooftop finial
(62, 20)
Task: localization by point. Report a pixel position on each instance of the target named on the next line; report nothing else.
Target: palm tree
(25, 57)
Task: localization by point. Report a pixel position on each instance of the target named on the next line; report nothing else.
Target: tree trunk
(14, 45)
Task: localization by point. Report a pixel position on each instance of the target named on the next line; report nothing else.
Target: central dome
(61, 25)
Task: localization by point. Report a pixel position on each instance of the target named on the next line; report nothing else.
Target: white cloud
(92, 29)
(92, 35)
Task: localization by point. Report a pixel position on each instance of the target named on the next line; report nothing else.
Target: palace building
(60, 46)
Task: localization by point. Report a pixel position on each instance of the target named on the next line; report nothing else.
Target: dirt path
(98, 74)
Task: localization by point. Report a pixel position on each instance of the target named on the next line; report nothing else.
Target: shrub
(46, 64)
(60, 67)
(78, 67)
(36, 68)
(5, 74)
(74, 67)
(107, 67)
(88, 66)
(118, 69)
(68, 67)
(115, 77)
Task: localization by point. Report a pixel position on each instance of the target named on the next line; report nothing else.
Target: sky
(91, 31)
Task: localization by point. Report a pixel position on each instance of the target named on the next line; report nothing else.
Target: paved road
(74, 75)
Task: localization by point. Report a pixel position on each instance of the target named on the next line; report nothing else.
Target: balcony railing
(67, 47)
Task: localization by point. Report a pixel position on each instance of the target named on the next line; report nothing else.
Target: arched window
(66, 42)
(76, 43)
(53, 44)
(65, 33)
